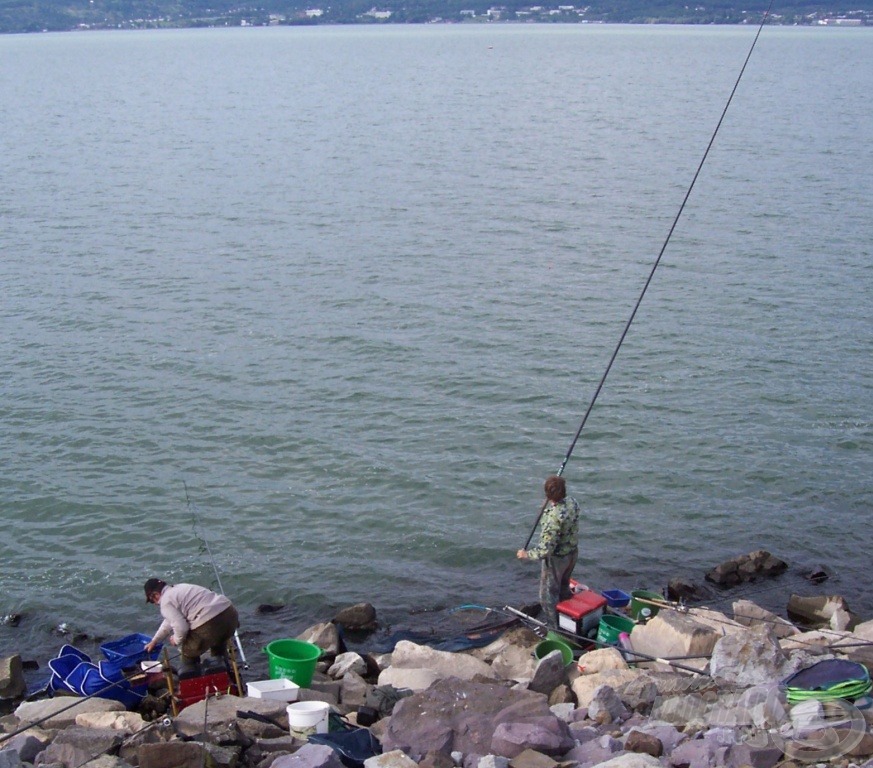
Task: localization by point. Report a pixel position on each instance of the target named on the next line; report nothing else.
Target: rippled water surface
(354, 289)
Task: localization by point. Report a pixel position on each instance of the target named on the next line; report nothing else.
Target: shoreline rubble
(498, 706)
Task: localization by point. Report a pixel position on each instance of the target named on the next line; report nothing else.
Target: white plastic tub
(277, 690)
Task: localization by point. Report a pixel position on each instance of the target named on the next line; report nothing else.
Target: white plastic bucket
(307, 717)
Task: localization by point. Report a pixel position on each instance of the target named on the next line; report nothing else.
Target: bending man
(558, 547)
(195, 619)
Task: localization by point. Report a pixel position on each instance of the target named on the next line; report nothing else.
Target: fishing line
(201, 537)
(655, 265)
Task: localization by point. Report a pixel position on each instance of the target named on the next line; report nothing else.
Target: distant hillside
(58, 15)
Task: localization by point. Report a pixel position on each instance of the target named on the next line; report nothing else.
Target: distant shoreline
(543, 15)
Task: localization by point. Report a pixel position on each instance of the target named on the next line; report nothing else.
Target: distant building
(373, 13)
(313, 13)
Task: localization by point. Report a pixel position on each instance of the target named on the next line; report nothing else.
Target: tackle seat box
(581, 613)
(194, 689)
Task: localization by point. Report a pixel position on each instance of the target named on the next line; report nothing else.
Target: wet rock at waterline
(744, 568)
(357, 618)
(12, 683)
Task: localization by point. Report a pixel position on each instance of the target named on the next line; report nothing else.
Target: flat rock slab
(61, 711)
(410, 655)
(221, 711)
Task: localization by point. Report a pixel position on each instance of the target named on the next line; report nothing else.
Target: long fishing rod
(644, 656)
(202, 536)
(77, 700)
(654, 267)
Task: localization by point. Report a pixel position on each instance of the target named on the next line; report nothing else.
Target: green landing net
(827, 681)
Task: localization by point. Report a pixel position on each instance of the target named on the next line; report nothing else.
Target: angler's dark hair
(152, 586)
(556, 488)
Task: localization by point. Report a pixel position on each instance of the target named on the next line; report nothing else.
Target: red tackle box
(194, 689)
(581, 613)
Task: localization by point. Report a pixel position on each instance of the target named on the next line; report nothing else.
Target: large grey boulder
(547, 736)
(749, 614)
(688, 712)
(645, 743)
(632, 760)
(585, 685)
(511, 655)
(129, 722)
(669, 736)
(309, 756)
(601, 660)
(12, 684)
(324, 635)
(360, 617)
(109, 761)
(61, 712)
(354, 691)
(76, 746)
(185, 754)
(746, 568)
(606, 706)
(393, 759)
(28, 744)
(743, 755)
(218, 716)
(594, 751)
(347, 662)
(753, 658)
(413, 679)
(408, 655)
(549, 673)
(9, 759)
(462, 716)
(639, 695)
(697, 753)
(675, 634)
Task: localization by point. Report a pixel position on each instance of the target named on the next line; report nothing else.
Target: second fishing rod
(655, 265)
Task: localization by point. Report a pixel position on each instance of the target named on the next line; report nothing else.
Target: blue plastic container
(615, 598)
(128, 650)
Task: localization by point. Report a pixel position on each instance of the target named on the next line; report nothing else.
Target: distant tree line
(60, 15)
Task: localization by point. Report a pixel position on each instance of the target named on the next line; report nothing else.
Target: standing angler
(558, 547)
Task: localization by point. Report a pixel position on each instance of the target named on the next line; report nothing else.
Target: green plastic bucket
(544, 648)
(292, 659)
(640, 610)
(551, 635)
(611, 627)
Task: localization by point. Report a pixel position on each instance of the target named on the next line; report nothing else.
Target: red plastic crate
(194, 689)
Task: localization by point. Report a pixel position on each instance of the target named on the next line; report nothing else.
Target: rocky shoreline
(499, 706)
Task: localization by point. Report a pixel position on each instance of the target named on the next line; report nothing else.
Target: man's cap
(153, 585)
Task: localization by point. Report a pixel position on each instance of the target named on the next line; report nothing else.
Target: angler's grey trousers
(555, 584)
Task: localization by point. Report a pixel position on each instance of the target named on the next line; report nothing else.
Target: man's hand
(521, 554)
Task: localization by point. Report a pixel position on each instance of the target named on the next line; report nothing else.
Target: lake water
(355, 287)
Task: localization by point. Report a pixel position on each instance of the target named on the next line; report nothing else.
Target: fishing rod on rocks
(76, 701)
(525, 618)
(654, 266)
(202, 537)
